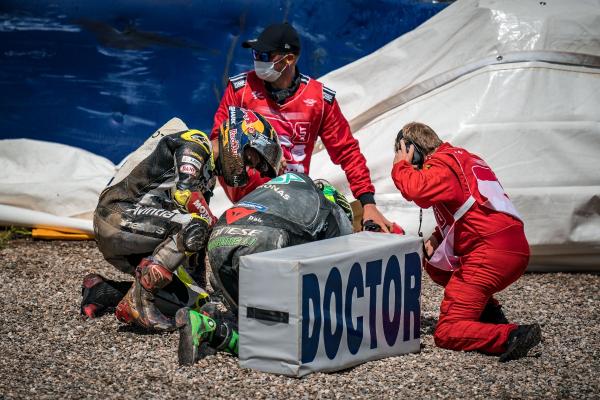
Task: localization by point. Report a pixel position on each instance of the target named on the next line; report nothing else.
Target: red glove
(369, 225)
(397, 229)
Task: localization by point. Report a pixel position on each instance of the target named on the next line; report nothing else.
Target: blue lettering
(332, 339)
(310, 341)
(355, 334)
(392, 274)
(412, 294)
(373, 279)
(340, 302)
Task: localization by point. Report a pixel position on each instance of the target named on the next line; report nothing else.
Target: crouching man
(288, 210)
(153, 217)
(478, 248)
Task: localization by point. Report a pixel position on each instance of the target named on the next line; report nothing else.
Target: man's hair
(422, 135)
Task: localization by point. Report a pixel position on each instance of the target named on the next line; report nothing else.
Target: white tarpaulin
(45, 184)
(517, 82)
(52, 185)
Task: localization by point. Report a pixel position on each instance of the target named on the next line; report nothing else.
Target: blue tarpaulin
(103, 75)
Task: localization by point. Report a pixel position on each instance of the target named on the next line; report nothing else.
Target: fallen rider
(286, 211)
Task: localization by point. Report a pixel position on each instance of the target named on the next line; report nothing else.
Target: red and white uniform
(482, 248)
(311, 112)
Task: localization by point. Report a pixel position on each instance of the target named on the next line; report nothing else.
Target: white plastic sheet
(50, 184)
(517, 83)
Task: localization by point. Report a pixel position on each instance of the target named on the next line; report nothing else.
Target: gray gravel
(48, 351)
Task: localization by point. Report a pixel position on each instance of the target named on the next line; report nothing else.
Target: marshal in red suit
(478, 248)
(301, 110)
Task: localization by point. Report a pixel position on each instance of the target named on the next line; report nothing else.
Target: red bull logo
(251, 123)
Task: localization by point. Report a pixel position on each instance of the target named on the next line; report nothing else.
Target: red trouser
(492, 266)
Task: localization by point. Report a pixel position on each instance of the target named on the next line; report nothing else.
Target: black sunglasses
(261, 56)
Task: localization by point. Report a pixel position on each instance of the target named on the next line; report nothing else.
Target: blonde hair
(422, 135)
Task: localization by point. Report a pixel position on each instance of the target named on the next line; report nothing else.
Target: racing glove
(194, 203)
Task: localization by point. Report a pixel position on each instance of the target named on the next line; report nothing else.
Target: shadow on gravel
(140, 331)
(428, 325)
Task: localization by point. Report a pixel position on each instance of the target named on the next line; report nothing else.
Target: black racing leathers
(136, 215)
(286, 211)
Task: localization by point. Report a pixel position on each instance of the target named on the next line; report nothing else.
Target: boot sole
(187, 353)
(520, 349)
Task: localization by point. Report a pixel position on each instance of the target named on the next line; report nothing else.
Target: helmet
(334, 195)
(247, 128)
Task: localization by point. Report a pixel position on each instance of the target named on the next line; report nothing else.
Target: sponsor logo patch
(231, 230)
(228, 241)
(277, 190)
(156, 212)
(255, 219)
(256, 206)
(285, 179)
(251, 123)
(188, 169)
(301, 132)
(191, 160)
(235, 145)
(234, 214)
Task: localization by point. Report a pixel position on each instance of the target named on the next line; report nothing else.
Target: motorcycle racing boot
(99, 295)
(200, 336)
(138, 306)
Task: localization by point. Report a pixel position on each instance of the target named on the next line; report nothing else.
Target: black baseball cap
(281, 38)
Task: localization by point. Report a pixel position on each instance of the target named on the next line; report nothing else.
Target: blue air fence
(103, 75)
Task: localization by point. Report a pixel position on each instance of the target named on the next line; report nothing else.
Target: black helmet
(335, 196)
(247, 128)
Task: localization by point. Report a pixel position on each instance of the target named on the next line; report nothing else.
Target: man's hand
(370, 212)
(215, 148)
(403, 154)
(282, 167)
(430, 245)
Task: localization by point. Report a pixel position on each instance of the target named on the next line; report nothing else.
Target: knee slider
(195, 234)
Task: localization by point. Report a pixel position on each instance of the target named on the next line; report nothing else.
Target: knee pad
(195, 234)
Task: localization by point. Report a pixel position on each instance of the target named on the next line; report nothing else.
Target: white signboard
(329, 305)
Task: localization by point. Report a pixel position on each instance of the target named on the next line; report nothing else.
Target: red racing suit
(309, 113)
(489, 249)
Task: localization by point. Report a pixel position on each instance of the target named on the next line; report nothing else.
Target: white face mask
(266, 71)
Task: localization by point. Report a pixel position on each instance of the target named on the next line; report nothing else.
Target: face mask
(266, 70)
